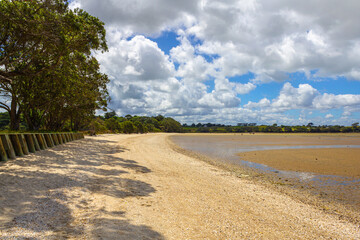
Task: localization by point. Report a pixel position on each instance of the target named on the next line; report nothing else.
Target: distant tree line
(49, 80)
(111, 123)
(309, 128)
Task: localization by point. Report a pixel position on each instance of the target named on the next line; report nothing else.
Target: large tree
(39, 42)
(71, 92)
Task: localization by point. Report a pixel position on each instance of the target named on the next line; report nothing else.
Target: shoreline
(138, 187)
(324, 201)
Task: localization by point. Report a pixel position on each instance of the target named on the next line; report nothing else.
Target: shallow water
(225, 147)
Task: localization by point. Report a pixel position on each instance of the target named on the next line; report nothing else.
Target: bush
(170, 125)
(128, 127)
(139, 127)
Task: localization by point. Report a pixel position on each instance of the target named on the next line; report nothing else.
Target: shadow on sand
(35, 192)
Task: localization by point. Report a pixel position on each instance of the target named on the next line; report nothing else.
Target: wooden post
(36, 142)
(3, 155)
(8, 146)
(40, 141)
(68, 137)
(23, 144)
(62, 135)
(59, 138)
(30, 142)
(48, 140)
(54, 138)
(16, 144)
(44, 140)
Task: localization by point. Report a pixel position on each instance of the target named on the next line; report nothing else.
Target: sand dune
(138, 187)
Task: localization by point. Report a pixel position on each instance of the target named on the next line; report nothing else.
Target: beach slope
(138, 187)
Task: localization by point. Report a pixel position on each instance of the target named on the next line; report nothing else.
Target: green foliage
(128, 127)
(170, 125)
(159, 118)
(48, 74)
(113, 125)
(109, 115)
(97, 125)
(220, 128)
(4, 120)
(140, 128)
(133, 124)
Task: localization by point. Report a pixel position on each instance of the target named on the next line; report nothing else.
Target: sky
(232, 61)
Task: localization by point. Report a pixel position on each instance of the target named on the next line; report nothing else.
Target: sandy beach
(141, 187)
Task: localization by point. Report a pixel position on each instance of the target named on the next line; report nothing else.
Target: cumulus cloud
(141, 16)
(331, 101)
(144, 80)
(306, 97)
(138, 59)
(265, 38)
(281, 36)
(223, 39)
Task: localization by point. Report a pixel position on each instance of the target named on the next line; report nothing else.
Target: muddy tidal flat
(327, 165)
(326, 161)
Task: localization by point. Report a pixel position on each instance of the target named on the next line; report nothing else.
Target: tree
(170, 125)
(71, 92)
(155, 123)
(110, 114)
(113, 125)
(38, 38)
(97, 125)
(128, 127)
(140, 128)
(159, 118)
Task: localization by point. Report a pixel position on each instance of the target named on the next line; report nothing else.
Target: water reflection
(321, 180)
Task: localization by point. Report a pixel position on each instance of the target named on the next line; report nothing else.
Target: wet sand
(331, 180)
(340, 161)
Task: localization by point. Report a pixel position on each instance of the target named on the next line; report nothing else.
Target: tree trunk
(33, 119)
(14, 115)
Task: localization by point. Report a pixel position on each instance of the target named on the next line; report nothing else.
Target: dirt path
(137, 187)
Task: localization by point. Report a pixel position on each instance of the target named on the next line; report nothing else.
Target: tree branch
(4, 106)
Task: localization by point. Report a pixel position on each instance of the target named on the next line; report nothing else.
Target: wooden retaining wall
(20, 144)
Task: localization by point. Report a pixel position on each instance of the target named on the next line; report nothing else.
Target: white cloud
(138, 59)
(268, 38)
(142, 16)
(327, 116)
(259, 36)
(307, 97)
(291, 97)
(331, 101)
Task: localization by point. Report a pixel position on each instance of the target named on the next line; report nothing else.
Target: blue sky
(233, 61)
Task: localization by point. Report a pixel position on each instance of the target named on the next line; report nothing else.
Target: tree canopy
(133, 124)
(47, 72)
